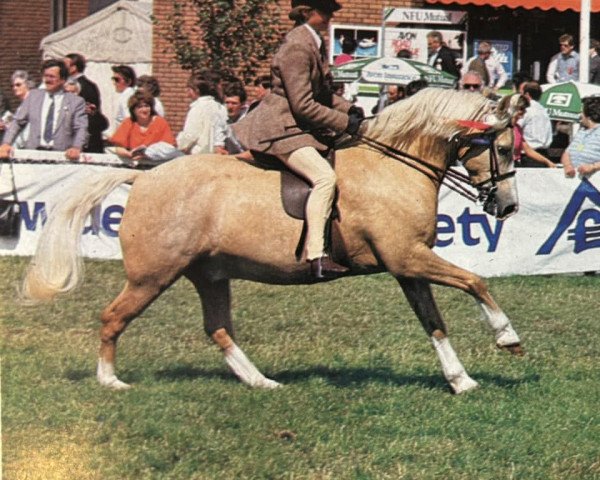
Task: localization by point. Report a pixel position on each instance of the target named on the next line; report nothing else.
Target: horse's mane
(432, 113)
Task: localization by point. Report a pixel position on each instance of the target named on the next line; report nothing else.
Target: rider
(300, 106)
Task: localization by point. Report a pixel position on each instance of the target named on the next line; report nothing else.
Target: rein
(449, 176)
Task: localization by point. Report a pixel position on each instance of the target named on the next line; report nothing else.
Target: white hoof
(245, 369)
(463, 383)
(107, 378)
(507, 336)
(267, 383)
(115, 384)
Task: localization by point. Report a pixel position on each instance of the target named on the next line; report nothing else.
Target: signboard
(422, 16)
(415, 41)
(368, 41)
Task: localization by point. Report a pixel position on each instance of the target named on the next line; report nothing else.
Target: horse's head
(488, 158)
(424, 124)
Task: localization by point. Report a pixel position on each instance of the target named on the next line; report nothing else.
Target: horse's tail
(57, 266)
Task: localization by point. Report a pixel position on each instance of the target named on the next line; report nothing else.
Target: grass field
(364, 397)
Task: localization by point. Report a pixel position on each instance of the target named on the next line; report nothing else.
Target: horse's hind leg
(419, 295)
(132, 300)
(216, 308)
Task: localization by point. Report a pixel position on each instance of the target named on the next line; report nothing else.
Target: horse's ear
(506, 109)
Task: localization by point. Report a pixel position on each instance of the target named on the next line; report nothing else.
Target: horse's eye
(504, 150)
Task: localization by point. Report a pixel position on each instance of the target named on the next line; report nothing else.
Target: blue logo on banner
(585, 233)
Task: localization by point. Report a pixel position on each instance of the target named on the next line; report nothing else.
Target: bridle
(475, 144)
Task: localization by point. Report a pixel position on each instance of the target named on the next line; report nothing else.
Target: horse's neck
(424, 150)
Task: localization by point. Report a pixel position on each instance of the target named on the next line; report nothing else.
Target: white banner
(557, 228)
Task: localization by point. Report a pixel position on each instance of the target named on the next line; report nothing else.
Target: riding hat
(327, 6)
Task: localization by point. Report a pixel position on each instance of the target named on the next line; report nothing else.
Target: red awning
(561, 5)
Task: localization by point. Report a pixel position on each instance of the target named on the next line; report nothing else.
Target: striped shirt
(585, 146)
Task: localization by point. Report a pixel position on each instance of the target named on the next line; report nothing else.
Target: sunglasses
(117, 79)
(564, 45)
(471, 86)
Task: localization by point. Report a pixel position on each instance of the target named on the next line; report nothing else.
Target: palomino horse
(214, 218)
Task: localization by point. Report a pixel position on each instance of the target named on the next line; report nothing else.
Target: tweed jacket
(301, 98)
(71, 123)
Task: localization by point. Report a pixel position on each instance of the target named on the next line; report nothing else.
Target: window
(59, 14)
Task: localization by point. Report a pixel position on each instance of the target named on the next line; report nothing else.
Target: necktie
(49, 127)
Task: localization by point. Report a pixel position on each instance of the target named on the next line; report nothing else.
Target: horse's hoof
(115, 384)
(267, 383)
(462, 384)
(514, 349)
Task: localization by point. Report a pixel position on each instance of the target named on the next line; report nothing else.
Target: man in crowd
(471, 81)
(491, 70)
(594, 62)
(262, 87)
(235, 103)
(440, 56)
(536, 124)
(57, 119)
(97, 122)
(564, 66)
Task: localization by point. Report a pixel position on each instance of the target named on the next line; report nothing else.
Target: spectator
(72, 86)
(491, 70)
(472, 81)
(414, 86)
(206, 120)
(57, 119)
(262, 87)
(142, 129)
(521, 104)
(518, 79)
(440, 56)
(393, 93)
(124, 80)
(21, 86)
(404, 53)
(235, 99)
(536, 124)
(150, 84)
(89, 91)
(348, 48)
(594, 76)
(583, 154)
(564, 66)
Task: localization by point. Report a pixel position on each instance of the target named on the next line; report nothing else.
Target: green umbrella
(563, 100)
(392, 70)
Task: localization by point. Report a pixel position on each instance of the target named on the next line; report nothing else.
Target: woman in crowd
(124, 80)
(150, 84)
(285, 122)
(521, 146)
(142, 129)
(582, 156)
(21, 86)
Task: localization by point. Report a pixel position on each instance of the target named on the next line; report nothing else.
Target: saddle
(294, 192)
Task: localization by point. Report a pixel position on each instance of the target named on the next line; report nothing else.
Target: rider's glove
(355, 117)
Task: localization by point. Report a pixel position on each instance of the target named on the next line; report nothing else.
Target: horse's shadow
(346, 377)
(338, 377)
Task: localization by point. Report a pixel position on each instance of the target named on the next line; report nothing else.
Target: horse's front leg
(216, 308)
(419, 295)
(424, 263)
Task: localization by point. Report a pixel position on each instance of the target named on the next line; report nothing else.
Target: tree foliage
(230, 36)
